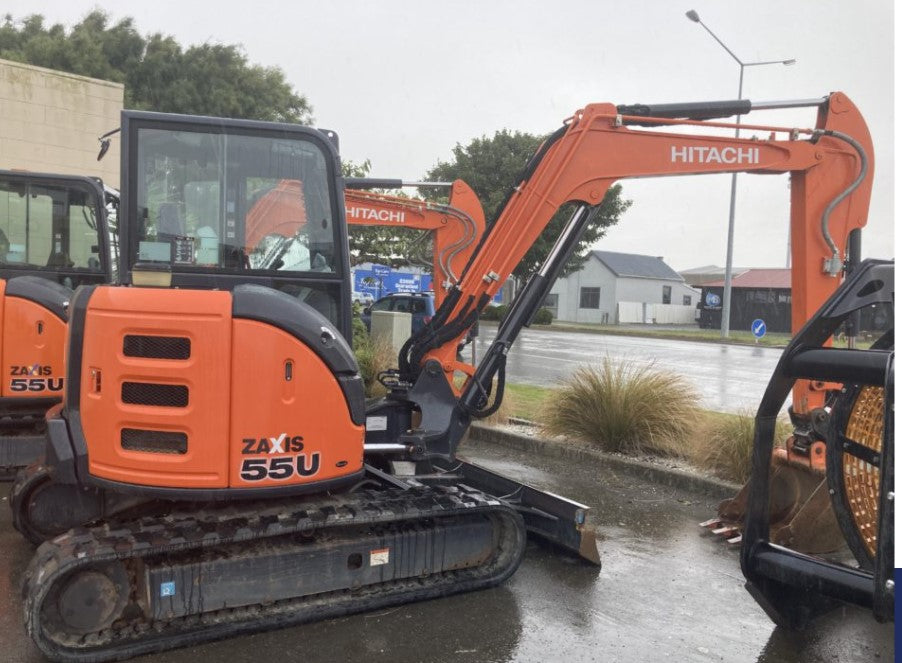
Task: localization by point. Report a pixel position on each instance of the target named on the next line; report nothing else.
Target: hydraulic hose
(486, 392)
(833, 266)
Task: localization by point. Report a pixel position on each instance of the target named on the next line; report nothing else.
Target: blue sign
(381, 281)
(759, 329)
(712, 299)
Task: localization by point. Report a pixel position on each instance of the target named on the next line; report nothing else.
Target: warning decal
(379, 557)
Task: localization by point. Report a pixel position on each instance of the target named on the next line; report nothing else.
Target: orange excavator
(214, 453)
(54, 236)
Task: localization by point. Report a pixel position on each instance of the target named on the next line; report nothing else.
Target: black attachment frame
(791, 587)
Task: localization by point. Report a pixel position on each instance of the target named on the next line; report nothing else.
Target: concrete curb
(667, 476)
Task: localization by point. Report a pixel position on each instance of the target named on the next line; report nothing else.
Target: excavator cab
(235, 376)
(53, 238)
(200, 209)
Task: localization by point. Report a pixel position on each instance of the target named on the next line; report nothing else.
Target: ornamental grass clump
(724, 445)
(624, 406)
(373, 357)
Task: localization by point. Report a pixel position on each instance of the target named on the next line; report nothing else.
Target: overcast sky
(403, 81)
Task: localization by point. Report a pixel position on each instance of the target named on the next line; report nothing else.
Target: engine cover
(202, 394)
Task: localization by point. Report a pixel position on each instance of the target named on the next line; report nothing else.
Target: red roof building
(758, 278)
(757, 294)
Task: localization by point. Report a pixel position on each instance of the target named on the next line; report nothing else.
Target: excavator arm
(830, 168)
(455, 227)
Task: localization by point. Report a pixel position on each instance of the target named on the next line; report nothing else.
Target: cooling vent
(154, 441)
(157, 395)
(156, 347)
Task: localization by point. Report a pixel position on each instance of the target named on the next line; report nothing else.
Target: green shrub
(543, 317)
(495, 312)
(623, 406)
(724, 445)
(359, 334)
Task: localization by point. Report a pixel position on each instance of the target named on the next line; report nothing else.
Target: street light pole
(692, 15)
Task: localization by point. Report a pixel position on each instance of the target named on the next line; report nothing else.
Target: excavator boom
(600, 145)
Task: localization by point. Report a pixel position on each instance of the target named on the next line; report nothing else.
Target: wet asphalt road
(729, 378)
(666, 591)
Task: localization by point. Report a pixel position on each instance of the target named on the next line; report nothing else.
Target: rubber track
(182, 532)
(29, 427)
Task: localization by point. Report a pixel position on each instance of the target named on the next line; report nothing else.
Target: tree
(207, 79)
(492, 166)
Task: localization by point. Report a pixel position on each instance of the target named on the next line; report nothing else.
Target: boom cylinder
(524, 307)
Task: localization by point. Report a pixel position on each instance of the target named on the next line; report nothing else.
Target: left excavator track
(21, 443)
(124, 589)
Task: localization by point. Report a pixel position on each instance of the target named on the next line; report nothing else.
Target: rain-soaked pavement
(666, 591)
(729, 378)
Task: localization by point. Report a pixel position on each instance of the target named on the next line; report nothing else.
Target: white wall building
(623, 288)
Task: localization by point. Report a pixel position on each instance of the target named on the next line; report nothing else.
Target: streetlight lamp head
(789, 62)
(692, 15)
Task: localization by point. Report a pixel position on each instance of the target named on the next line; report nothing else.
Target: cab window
(48, 226)
(217, 202)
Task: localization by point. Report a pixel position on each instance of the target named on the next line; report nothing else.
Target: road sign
(759, 329)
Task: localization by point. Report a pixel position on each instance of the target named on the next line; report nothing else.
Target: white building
(623, 288)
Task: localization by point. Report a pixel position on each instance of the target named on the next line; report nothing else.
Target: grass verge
(716, 442)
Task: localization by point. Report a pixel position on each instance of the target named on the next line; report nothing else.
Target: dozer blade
(22, 436)
(18, 452)
(557, 520)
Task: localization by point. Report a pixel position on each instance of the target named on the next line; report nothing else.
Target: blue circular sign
(759, 329)
(712, 299)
